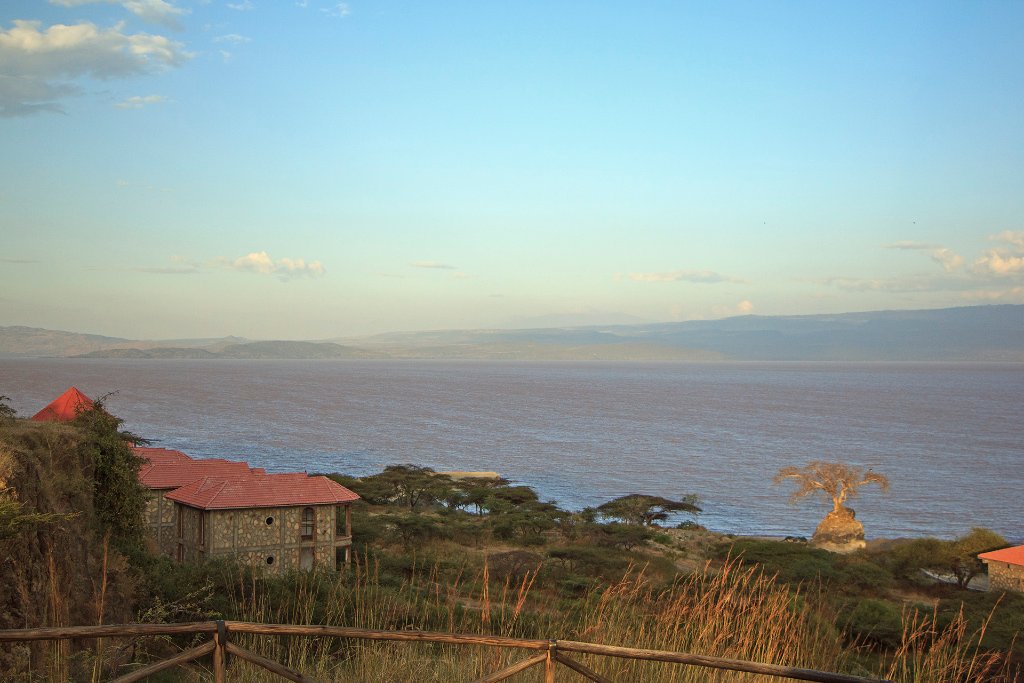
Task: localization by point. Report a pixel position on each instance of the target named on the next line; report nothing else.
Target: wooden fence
(548, 653)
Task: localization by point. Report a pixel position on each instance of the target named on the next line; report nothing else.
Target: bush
(875, 621)
(864, 576)
(791, 562)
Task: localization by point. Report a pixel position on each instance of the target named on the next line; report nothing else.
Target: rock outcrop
(839, 532)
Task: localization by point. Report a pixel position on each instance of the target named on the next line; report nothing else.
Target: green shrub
(875, 621)
(791, 562)
(864, 576)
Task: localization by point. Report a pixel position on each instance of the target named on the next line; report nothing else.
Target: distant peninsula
(971, 333)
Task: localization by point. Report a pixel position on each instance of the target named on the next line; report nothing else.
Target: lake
(948, 436)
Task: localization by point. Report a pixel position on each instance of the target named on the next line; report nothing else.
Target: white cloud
(243, 6)
(256, 261)
(1000, 263)
(285, 268)
(947, 258)
(1015, 238)
(232, 38)
(432, 264)
(156, 12)
(339, 10)
(702, 276)
(38, 64)
(907, 244)
(151, 11)
(140, 101)
(1003, 261)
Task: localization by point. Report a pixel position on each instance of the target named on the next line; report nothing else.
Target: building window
(308, 524)
(179, 522)
(202, 528)
(270, 559)
(269, 520)
(342, 522)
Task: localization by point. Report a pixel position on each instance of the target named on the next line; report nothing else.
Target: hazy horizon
(319, 170)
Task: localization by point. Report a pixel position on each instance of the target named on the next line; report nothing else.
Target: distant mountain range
(972, 333)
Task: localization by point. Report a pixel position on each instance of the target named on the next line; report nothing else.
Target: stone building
(278, 521)
(1005, 568)
(166, 470)
(214, 507)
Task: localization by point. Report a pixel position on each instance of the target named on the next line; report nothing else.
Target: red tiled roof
(1013, 555)
(262, 491)
(170, 474)
(160, 455)
(65, 407)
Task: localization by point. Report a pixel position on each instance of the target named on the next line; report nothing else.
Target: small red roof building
(1013, 555)
(65, 407)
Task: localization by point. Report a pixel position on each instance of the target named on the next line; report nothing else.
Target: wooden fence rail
(549, 652)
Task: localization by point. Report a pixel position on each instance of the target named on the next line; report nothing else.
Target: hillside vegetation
(473, 556)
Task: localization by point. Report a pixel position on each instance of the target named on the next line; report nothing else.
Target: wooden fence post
(549, 664)
(220, 640)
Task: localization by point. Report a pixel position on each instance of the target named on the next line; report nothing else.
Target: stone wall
(264, 537)
(160, 521)
(1004, 576)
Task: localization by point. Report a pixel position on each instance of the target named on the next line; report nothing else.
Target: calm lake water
(949, 436)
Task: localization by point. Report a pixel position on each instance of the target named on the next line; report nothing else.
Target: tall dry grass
(733, 611)
(736, 612)
(932, 652)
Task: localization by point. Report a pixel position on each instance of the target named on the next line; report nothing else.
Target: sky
(282, 169)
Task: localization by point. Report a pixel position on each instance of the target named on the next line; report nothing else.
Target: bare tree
(836, 480)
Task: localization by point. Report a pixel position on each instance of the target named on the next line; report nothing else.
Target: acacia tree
(838, 481)
(644, 510)
(6, 412)
(961, 556)
(411, 485)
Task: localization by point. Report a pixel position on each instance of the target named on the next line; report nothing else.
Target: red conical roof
(65, 407)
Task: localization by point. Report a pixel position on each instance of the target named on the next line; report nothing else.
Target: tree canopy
(411, 485)
(6, 412)
(838, 481)
(118, 497)
(645, 510)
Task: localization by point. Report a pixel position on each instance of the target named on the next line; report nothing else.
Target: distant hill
(970, 333)
(35, 342)
(295, 349)
(158, 352)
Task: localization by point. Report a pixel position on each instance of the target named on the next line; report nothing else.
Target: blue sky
(308, 170)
